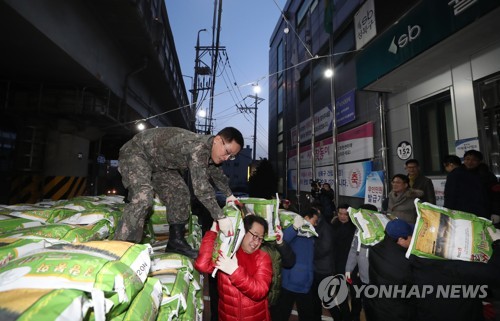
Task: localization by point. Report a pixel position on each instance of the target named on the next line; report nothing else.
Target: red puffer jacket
(243, 294)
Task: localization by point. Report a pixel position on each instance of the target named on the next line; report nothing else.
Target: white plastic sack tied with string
(229, 244)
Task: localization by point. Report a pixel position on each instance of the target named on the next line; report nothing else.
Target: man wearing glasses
(244, 279)
(156, 161)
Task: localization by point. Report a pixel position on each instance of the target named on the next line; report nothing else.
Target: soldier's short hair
(230, 133)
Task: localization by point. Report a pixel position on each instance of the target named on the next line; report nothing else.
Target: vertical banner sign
(375, 189)
(323, 121)
(352, 178)
(439, 190)
(355, 144)
(364, 24)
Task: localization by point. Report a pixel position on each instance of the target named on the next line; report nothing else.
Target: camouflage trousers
(142, 183)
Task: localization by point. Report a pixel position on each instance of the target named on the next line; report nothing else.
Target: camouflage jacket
(171, 148)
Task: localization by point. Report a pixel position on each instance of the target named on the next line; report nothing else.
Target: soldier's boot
(177, 243)
(129, 231)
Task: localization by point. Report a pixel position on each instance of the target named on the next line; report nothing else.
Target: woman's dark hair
(250, 219)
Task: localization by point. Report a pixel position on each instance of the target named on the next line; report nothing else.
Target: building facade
(412, 79)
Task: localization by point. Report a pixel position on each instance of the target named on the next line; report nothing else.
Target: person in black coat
(343, 232)
(483, 277)
(389, 266)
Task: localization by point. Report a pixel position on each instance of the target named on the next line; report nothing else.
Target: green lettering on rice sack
(442, 233)
(44, 305)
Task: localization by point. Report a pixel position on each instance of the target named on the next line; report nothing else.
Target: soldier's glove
(298, 221)
(226, 226)
(226, 264)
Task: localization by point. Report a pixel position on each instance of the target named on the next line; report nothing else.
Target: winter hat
(398, 228)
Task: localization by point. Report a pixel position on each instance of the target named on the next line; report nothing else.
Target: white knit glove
(226, 264)
(231, 198)
(298, 221)
(495, 235)
(279, 235)
(226, 226)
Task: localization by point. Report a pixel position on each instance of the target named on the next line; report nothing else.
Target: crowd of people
(266, 280)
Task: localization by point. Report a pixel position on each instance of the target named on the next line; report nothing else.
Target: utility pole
(257, 101)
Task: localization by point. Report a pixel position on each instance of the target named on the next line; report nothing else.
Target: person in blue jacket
(296, 282)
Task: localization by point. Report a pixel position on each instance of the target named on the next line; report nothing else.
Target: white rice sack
(14, 248)
(53, 231)
(287, 218)
(441, 233)
(97, 231)
(10, 223)
(146, 304)
(40, 214)
(167, 262)
(267, 209)
(44, 305)
(229, 244)
(370, 224)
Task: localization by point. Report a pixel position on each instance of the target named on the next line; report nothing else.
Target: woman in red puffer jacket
(243, 280)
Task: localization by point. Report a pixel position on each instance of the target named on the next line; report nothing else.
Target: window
(433, 132)
(488, 111)
(280, 61)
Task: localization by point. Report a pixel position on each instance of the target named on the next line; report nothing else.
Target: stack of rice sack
(28, 227)
(370, 225)
(182, 294)
(56, 264)
(95, 280)
(441, 233)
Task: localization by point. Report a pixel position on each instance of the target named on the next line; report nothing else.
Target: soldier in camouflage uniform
(155, 161)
